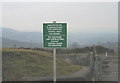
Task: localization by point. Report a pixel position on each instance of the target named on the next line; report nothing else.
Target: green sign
(54, 35)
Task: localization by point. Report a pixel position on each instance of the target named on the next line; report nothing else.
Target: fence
(106, 68)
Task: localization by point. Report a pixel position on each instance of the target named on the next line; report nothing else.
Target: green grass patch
(18, 63)
(79, 54)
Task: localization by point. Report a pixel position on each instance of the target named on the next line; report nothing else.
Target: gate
(106, 68)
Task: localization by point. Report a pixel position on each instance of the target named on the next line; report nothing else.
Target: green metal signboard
(55, 35)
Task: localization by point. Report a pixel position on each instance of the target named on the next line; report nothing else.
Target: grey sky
(81, 17)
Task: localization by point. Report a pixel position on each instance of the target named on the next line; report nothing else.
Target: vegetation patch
(18, 63)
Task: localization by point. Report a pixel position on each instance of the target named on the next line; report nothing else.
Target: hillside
(19, 63)
(36, 37)
(82, 39)
(8, 43)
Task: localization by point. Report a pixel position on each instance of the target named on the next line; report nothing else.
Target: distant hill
(35, 37)
(8, 43)
(82, 39)
(92, 37)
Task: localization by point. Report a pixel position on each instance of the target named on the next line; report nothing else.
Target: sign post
(54, 36)
(54, 62)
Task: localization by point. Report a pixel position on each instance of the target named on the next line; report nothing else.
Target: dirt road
(78, 76)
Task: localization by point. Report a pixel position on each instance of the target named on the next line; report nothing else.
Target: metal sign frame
(55, 35)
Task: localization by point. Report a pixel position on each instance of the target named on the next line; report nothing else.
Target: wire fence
(106, 68)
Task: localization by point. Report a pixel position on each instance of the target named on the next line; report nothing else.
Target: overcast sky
(80, 16)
